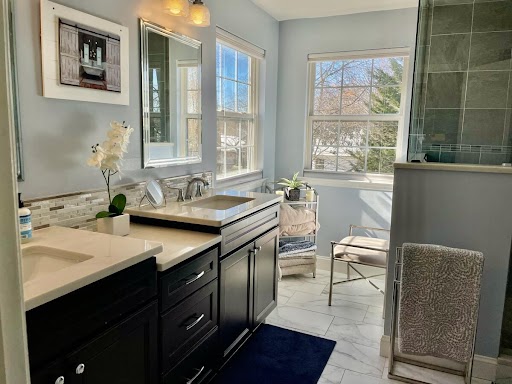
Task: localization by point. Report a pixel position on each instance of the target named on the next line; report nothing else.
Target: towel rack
(468, 369)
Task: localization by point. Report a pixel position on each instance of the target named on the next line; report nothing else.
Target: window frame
(256, 56)
(182, 67)
(313, 59)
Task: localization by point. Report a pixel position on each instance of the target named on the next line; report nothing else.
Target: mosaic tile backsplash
(78, 210)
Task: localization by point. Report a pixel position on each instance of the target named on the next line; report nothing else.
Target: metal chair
(361, 250)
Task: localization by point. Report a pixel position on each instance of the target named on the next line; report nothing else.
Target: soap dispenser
(25, 218)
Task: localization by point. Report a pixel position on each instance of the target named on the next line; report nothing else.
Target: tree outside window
(355, 114)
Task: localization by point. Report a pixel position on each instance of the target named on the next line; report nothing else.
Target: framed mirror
(171, 97)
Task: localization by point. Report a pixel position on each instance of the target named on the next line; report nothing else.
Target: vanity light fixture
(199, 14)
(177, 7)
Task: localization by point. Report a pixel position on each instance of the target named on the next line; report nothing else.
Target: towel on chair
(439, 298)
(294, 247)
(298, 221)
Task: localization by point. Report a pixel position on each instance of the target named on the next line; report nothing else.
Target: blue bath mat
(275, 355)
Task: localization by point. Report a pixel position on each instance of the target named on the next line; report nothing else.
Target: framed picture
(84, 57)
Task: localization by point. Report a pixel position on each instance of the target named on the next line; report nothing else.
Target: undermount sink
(38, 261)
(220, 202)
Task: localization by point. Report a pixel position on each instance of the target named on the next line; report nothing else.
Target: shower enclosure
(462, 100)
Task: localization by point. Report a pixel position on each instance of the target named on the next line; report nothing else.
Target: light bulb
(176, 7)
(199, 14)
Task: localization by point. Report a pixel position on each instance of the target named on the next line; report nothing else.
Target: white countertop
(108, 255)
(178, 245)
(455, 167)
(183, 213)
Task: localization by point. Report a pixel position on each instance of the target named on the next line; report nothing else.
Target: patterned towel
(439, 299)
(302, 255)
(295, 247)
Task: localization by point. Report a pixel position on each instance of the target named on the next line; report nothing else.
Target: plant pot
(118, 225)
(294, 194)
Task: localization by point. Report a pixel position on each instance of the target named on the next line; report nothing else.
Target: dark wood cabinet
(248, 289)
(235, 309)
(265, 276)
(103, 333)
(125, 354)
(186, 324)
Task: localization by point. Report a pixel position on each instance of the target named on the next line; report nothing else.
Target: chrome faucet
(191, 182)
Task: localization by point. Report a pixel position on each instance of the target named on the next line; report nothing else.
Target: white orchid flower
(97, 157)
(111, 163)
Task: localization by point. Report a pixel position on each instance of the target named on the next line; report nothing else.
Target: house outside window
(355, 111)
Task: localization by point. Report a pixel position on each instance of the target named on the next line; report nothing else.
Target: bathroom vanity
(211, 303)
(164, 305)
(91, 307)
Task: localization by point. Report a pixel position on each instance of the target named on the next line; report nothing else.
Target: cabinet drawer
(197, 367)
(188, 278)
(185, 325)
(249, 228)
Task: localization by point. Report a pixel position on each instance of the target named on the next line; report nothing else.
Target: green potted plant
(293, 187)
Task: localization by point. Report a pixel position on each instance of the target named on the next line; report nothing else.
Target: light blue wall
(58, 134)
(341, 207)
(462, 210)
(298, 38)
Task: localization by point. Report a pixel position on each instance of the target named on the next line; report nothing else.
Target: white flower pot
(119, 225)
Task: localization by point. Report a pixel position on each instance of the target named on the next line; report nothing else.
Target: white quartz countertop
(106, 255)
(184, 213)
(178, 245)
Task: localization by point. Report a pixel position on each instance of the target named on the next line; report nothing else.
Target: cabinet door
(265, 275)
(235, 310)
(125, 354)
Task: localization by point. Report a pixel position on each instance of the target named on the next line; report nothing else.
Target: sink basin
(220, 202)
(38, 261)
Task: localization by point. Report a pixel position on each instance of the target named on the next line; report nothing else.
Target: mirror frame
(145, 27)
(15, 94)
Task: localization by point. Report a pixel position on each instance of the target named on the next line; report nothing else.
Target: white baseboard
(484, 367)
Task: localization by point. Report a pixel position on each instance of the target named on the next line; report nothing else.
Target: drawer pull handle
(60, 380)
(197, 321)
(195, 278)
(80, 369)
(190, 381)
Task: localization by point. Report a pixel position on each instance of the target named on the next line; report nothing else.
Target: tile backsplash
(78, 210)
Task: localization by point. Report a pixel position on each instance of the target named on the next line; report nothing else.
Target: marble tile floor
(354, 321)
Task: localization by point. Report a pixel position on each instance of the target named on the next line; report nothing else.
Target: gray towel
(293, 247)
(439, 300)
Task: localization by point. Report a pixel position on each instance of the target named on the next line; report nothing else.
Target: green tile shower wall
(462, 103)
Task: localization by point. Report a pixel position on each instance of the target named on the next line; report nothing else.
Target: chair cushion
(361, 255)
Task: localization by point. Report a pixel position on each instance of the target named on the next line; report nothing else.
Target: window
(237, 95)
(355, 112)
(190, 103)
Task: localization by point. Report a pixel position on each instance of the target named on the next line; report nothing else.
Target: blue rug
(275, 355)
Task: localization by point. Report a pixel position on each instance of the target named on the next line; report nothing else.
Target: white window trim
(347, 179)
(183, 107)
(257, 55)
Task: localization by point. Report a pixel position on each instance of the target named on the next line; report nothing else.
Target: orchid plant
(108, 159)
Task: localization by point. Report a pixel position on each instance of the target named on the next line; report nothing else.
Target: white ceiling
(300, 9)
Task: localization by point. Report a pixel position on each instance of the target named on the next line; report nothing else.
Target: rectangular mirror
(171, 97)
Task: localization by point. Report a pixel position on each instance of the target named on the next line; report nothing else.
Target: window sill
(355, 181)
(238, 180)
